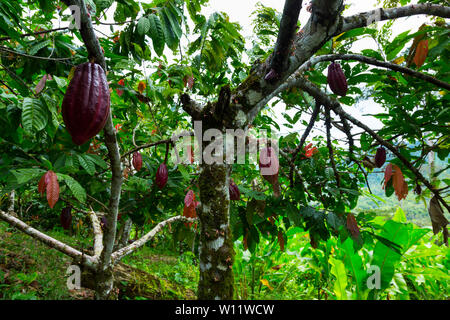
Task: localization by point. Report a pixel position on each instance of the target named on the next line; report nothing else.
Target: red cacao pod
(137, 160)
(86, 104)
(235, 194)
(380, 157)
(66, 218)
(337, 80)
(162, 175)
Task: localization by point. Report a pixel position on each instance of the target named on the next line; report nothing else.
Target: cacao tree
(90, 119)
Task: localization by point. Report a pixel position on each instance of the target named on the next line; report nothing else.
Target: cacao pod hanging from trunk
(86, 104)
(103, 223)
(162, 175)
(66, 218)
(380, 157)
(235, 194)
(137, 160)
(337, 80)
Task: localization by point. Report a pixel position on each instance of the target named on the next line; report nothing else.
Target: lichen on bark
(216, 246)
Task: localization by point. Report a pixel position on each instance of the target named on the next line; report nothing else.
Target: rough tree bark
(216, 245)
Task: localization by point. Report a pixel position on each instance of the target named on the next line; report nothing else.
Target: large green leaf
(143, 26)
(77, 190)
(340, 284)
(34, 115)
(24, 176)
(404, 235)
(169, 31)
(157, 34)
(354, 263)
(87, 164)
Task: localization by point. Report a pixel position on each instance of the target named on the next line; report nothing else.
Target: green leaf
(97, 160)
(77, 190)
(157, 34)
(34, 115)
(23, 176)
(338, 270)
(169, 32)
(34, 49)
(60, 82)
(399, 216)
(103, 4)
(87, 164)
(354, 263)
(143, 26)
(404, 235)
(356, 32)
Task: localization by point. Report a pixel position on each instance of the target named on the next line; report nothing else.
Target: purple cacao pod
(137, 160)
(103, 222)
(66, 218)
(86, 104)
(235, 194)
(162, 175)
(337, 80)
(380, 157)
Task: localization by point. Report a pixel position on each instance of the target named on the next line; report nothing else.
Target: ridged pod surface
(86, 104)
(137, 160)
(161, 176)
(337, 80)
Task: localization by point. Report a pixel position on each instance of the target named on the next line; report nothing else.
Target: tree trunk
(104, 283)
(216, 246)
(123, 241)
(12, 196)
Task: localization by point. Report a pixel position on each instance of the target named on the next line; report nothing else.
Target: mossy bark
(216, 246)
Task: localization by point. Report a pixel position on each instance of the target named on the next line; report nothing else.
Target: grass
(30, 270)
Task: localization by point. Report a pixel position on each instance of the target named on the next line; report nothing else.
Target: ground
(30, 270)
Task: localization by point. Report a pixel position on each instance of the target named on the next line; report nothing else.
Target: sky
(240, 11)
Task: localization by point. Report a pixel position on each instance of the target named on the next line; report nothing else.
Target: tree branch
(86, 260)
(98, 234)
(375, 62)
(191, 107)
(119, 254)
(254, 93)
(308, 129)
(314, 91)
(95, 53)
(286, 33)
(330, 147)
(366, 18)
(36, 33)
